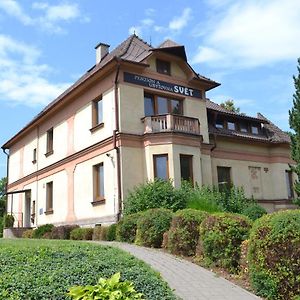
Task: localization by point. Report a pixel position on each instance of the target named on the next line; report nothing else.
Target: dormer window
(219, 124)
(163, 67)
(230, 125)
(254, 129)
(244, 127)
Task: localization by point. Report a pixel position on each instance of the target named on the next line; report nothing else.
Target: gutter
(7, 171)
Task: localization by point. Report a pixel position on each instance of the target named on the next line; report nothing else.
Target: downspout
(116, 147)
(7, 171)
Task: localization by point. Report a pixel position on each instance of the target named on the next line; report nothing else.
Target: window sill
(95, 128)
(98, 202)
(49, 153)
(49, 212)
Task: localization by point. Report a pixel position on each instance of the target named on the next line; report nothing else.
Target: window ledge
(98, 202)
(49, 212)
(95, 128)
(49, 153)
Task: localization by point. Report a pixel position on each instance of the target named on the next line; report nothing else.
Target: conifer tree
(294, 120)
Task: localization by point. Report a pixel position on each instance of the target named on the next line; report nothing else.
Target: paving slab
(189, 281)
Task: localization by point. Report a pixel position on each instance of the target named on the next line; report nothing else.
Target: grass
(43, 269)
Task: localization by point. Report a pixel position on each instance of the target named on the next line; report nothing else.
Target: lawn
(43, 269)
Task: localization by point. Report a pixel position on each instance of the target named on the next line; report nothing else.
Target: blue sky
(251, 47)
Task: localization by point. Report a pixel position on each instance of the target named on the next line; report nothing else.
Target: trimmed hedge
(81, 234)
(111, 232)
(62, 232)
(220, 240)
(8, 221)
(151, 226)
(274, 255)
(27, 234)
(254, 211)
(1, 227)
(44, 231)
(99, 233)
(183, 235)
(126, 228)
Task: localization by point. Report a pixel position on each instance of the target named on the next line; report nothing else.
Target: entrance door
(27, 209)
(255, 181)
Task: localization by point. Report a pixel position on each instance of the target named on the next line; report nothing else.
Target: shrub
(27, 234)
(41, 230)
(62, 232)
(111, 232)
(8, 221)
(274, 252)
(151, 226)
(254, 211)
(81, 234)
(110, 288)
(126, 228)
(1, 227)
(184, 231)
(155, 194)
(100, 233)
(221, 236)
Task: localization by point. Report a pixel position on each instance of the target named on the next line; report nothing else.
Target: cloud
(50, 17)
(250, 34)
(181, 21)
(22, 79)
(149, 12)
(135, 30)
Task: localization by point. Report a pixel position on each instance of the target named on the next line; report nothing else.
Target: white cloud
(180, 22)
(13, 9)
(150, 12)
(22, 79)
(135, 30)
(251, 34)
(147, 22)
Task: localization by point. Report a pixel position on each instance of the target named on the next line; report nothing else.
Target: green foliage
(8, 221)
(111, 232)
(43, 269)
(221, 236)
(99, 233)
(183, 234)
(28, 234)
(62, 232)
(3, 182)
(254, 211)
(274, 252)
(155, 194)
(126, 228)
(1, 227)
(106, 289)
(151, 226)
(294, 120)
(39, 232)
(82, 233)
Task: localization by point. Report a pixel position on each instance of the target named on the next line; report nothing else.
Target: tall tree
(2, 195)
(294, 120)
(229, 104)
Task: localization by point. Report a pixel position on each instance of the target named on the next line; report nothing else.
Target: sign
(162, 85)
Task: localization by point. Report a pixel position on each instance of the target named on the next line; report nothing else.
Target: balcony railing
(167, 123)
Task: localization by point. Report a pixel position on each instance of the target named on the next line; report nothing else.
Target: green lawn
(45, 269)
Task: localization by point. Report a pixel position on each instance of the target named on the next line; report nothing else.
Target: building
(139, 113)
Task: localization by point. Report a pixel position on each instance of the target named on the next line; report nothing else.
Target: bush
(100, 233)
(220, 240)
(126, 228)
(110, 288)
(62, 232)
(8, 221)
(184, 231)
(254, 211)
(274, 255)
(151, 226)
(27, 234)
(156, 194)
(111, 232)
(1, 227)
(81, 234)
(39, 232)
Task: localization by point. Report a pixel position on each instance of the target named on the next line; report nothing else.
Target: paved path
(189, 281)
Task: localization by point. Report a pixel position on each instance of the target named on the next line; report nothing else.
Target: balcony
(171, 123)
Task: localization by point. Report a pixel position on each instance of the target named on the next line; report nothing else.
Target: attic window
(163, 67)
(254, 129)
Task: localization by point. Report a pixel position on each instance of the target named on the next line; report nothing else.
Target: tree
(229, 105)
(2, 197)
(294, 120)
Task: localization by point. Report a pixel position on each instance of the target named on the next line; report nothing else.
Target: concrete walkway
(189, 281)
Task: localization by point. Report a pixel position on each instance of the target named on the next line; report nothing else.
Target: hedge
(81, 234)
(126, 228)
(254, 211)
(62, 232)
(43, 231)
(274, 255)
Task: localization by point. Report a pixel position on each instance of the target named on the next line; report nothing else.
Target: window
(157, 105)
(49, 149)
(34, 156)
(98, 178)
(224, 179)
(97, 113)
(186, 167)
(161, 168)
(254, 129)
(243, 127)
(230, 125)
(289, 183)
(219, 124)
(163, 67)
(49, 198)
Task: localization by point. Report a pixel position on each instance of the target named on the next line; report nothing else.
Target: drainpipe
(7, 170)
(119, 196)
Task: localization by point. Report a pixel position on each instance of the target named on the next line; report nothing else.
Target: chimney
(101, 51)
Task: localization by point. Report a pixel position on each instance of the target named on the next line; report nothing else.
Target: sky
(251, 47)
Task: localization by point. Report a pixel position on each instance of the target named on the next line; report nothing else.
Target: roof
(272, 133)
